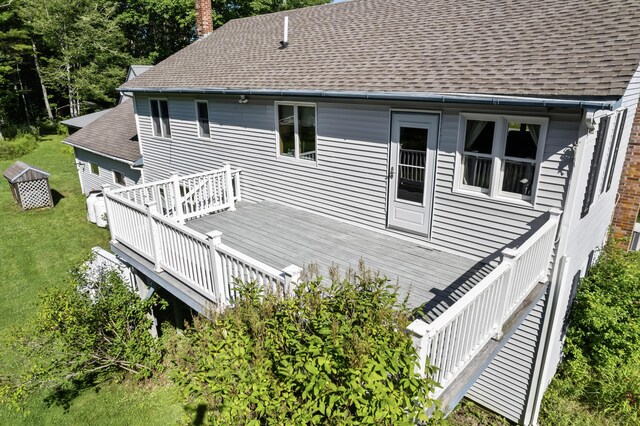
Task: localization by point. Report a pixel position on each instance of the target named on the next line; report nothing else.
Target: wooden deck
(279, 235)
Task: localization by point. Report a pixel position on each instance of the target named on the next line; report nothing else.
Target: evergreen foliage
(73, 54)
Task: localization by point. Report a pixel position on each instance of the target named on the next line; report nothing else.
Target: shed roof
(23, 172)
(83, 120)
(548, 48)
(113, 135)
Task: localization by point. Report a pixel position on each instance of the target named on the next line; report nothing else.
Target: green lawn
(37, 248)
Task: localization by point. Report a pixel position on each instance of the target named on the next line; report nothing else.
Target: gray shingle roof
(114, 134)
(22, 172)
(567, 48)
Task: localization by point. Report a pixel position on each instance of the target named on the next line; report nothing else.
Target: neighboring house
(471, 152)
(105, 143)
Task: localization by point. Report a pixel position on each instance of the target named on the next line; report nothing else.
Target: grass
(38, 248)
(469, 414)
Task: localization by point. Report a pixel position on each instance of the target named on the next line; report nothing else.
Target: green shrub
(334, 354)
(601, 370)
(14, 148)
(84, 331)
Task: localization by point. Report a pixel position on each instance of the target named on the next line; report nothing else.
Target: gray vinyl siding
(349, 182)
(92, 182)
(504, 385)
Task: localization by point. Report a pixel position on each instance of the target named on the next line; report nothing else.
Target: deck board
(279, 236)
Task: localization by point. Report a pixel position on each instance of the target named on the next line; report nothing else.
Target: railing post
(292, 274)
(106, 189)
(421, 333)
(177, 197)
(508, 256)
(215, 239)
(151, 208)
(229, 186)
(236, 183)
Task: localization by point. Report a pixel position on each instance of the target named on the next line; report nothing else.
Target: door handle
(391, 173)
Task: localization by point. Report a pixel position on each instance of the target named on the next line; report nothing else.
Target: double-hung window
(202, 109)
(160, 118)
(500, 155)
(296, 130)
(118, 178)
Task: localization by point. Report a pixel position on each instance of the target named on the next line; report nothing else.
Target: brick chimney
(204, 23)
(626, 212)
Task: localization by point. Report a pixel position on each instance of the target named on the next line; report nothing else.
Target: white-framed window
(118, 178)
(94, 168)
(499, 156)
(296, 133)
(202, 114)
(160, 118)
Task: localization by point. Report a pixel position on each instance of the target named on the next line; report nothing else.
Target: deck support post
(151, 208)
(105, 190)
(421, 334)
(177, 197)
(215, 239)
(292, 274)
(229, 186)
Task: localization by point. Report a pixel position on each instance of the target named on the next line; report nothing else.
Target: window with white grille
(499, 155)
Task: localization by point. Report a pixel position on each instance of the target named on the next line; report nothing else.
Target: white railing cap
(419, 327)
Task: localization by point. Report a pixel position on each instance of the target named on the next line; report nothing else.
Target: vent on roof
(285, 41)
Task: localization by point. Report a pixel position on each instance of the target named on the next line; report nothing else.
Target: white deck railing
(188, 197)
(149, 219)
(456, 336)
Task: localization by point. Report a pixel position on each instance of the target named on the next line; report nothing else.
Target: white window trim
(91, 169)
(153, 131)
(296, 158)
(115, 181)
(610, 142)
(198, 129)
(497, 155)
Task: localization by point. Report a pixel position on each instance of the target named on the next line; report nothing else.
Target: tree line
(64, 58)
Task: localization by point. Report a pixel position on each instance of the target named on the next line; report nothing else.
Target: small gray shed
(29, 185)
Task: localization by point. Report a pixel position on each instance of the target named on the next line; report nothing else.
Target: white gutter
(460, 98)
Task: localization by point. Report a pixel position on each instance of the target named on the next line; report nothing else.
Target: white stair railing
(187, 197)
(456, 336)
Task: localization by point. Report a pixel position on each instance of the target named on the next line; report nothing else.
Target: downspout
(551, 320)
(137, 118)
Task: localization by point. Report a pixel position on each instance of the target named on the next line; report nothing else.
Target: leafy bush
(14, 148)
(334, 354)
(88, 329)
(601, 369)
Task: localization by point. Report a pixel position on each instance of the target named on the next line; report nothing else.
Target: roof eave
(102, 154)
(458, 98)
